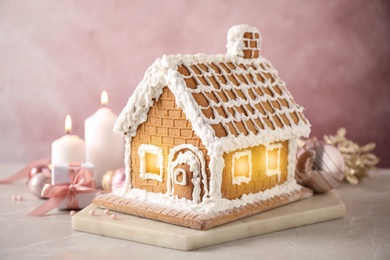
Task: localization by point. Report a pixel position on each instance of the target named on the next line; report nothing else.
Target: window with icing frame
(272, 160)
(242, 167)
(151, 162)
(180, 177)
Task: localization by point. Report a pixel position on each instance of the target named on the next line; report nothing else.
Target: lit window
(242, 167)
(273, 160)
(152, 162)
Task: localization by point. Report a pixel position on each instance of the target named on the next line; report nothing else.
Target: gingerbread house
(210, 138)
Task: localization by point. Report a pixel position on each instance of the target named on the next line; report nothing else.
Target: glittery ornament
(37, 182)
(118, 179)
(113, 180)
(106, 180)
(359, 160)
(320, 166)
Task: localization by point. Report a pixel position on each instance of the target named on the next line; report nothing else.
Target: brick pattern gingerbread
(210, 135)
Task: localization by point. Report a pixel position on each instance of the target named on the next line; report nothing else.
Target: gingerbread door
(186, 170)
(183, 179)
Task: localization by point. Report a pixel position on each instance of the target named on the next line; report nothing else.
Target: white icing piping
(239, 179)
(216, 166)
(181, 172)
(210, 205)
(127, 161)
(292, 160)
(235, 45)
(172, 165)
(277, 171)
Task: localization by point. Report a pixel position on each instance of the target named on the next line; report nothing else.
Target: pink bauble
(37, 182)
(38, 169)
(320, 166)
(118, 179)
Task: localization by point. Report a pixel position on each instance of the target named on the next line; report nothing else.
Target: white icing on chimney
(244, 41)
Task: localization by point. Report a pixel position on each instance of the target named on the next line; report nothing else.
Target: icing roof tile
(232, 102)
(240, 99)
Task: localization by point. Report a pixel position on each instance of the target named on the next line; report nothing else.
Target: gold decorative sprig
(358, 159)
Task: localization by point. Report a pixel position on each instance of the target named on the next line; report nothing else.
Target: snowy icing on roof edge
(164, 72)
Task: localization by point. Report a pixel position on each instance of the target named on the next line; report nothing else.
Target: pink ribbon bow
(82, 181)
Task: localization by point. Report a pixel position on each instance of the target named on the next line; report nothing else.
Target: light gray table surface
(364, 233)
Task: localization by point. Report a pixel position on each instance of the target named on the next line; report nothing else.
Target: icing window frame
(238, 178)
(181, 172)
(273, 171)
(151, 151)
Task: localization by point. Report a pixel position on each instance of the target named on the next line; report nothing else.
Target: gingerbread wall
(260, 181)
(166, 127)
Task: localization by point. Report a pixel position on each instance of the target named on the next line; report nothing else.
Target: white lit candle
(103, 148)
(69, 148)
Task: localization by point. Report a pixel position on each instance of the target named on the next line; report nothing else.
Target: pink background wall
(57, 56)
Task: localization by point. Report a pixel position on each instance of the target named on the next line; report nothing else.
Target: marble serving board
(316, 209)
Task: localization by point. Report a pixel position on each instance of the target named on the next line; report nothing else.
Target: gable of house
(166, 127)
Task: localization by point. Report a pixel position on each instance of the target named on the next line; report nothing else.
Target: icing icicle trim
(210, 205)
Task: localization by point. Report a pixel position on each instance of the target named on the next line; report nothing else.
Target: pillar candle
(103, 148)
(68, 148)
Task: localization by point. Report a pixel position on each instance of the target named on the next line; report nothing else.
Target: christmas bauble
(118, 180)
(113, 180)
(320, 166)
(107, 180)
(38, 169)
(37, 182)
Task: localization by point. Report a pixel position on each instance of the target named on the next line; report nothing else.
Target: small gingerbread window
(151, 162)
(273, 159)
(180, 177)
(242, 167)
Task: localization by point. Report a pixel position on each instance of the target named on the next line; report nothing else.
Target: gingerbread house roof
(232, 102)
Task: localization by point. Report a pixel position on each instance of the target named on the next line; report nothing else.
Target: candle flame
(68, 124)
(104, 98)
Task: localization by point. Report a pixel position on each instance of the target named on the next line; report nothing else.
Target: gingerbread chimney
(244, 41)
